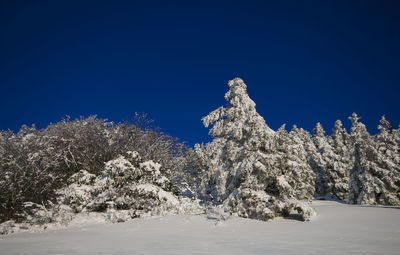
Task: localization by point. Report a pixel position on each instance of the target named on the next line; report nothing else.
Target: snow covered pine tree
(244, 174)
(374, 178)
(340, 162)
(319, 161)
(332, 163)
(295, 150)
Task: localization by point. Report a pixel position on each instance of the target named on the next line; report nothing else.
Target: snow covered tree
(340, 163)
(194, 172)
(240, 136)
(374, 178)
(332, 162)
(243, 166)
(387, 165)
(318, 161)
(295, 148)
(396, 136)
(359, 188)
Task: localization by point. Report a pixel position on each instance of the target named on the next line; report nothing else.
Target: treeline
(258, 173)
(358, 167)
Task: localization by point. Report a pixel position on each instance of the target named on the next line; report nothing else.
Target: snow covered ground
(338, 229)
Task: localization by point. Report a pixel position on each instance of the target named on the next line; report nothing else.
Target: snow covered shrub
(257, 204)
(7, 227)
(128, 187)
(78, 192)
(249, 203)
(35, 163)
(36, 214)
(126, 183)
(27, 172)
(38, 217)
(246, 171)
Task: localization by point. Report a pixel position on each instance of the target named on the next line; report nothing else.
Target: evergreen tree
(241, 138)
(295, 148)
(387, 165)
(374, 178)
(318, 161)
(396, 136)
(340, 164)
(244, 166)
(359, 188)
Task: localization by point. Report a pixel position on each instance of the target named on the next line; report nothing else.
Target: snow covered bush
(127, 187)
(126, 183)
(38, 217)
(258, 204)
(35, 163)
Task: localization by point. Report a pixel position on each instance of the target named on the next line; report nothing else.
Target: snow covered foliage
(332, 163)
(319, 161)
(127, 188)
(244, 167)
(126, 183)
(296, 148)
(35, 163)
(126, 170)
(196, 171)
(375, 177)
(240, 134)
(38, 217)
(339, 162)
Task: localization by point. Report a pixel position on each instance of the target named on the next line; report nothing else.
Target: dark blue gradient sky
(303, 61)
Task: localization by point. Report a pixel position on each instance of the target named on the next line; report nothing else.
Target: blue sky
(303, 61)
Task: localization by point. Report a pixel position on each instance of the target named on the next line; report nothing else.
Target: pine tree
(295, 148)
(240, 138)
(396, 136)
(375, 176)
(340, 164)
(387, 165)
(244, 167)
(359, 188)
(318, 161)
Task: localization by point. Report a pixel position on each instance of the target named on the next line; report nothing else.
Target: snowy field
(338, 229)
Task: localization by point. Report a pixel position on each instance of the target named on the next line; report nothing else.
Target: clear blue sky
(303, 61)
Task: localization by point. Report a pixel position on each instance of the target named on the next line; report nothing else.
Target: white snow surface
(338, 229)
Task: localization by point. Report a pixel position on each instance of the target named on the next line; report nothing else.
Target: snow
(160, 193)
(283, 183)
(338, 229)
(150, 166)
